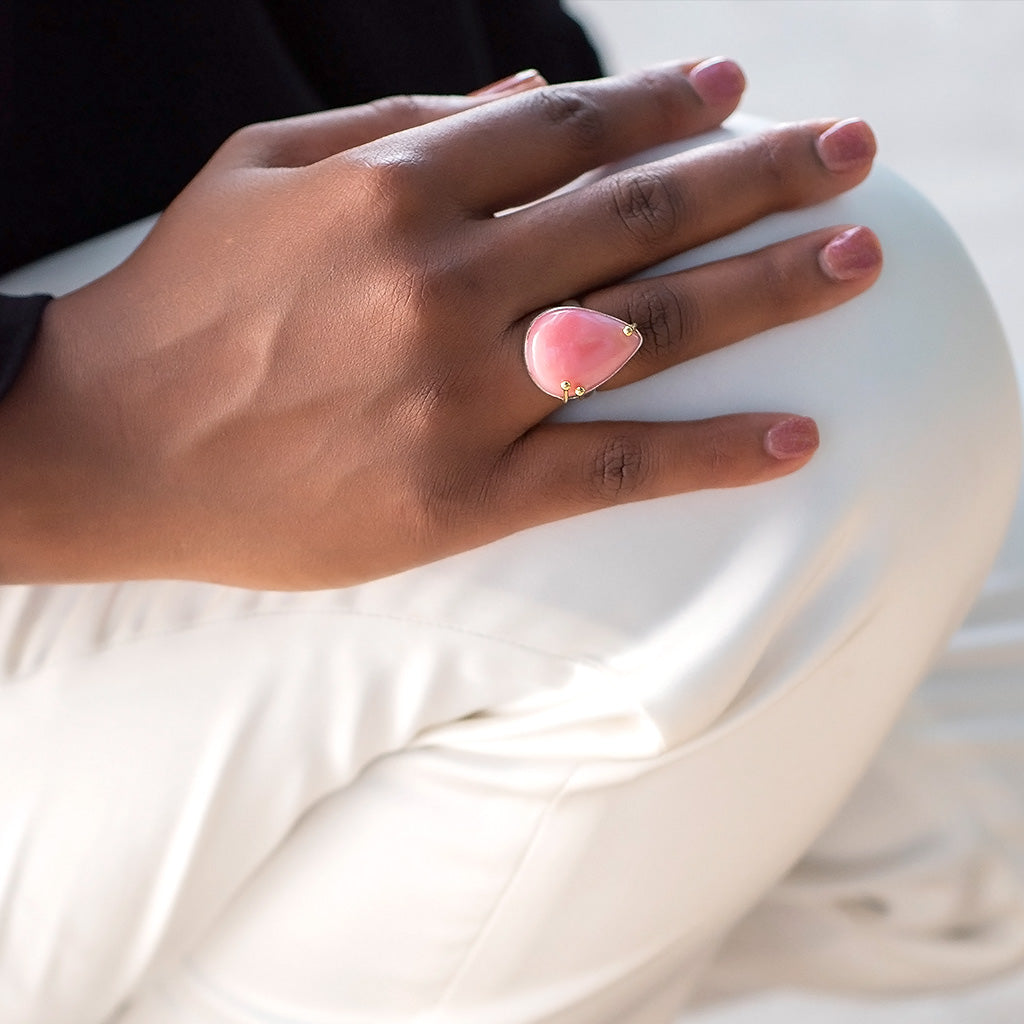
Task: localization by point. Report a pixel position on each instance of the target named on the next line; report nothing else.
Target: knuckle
(778, 283)
(446, 277)
(443, 393)
(397, 175)
(664, 95)
(396, 187)
(251, 137)
(448, 497)
(576, 113)
(620, 469)
(428, 512)
(670, 322)
(398, 110)
(773, 169)
(716, 451)
(649, 209)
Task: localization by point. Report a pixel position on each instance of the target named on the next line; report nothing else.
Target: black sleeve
(19, 322)
(108, 108)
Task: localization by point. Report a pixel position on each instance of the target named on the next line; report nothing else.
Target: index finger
(509, 153)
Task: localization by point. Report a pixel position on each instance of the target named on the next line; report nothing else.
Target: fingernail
(854, 254)
(521, 81)
(846, 145)
(791, 438)
(718, 80)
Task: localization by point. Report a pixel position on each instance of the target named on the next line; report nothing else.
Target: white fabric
(538, 782)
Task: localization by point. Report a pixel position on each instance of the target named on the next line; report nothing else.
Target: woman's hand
(311, 373)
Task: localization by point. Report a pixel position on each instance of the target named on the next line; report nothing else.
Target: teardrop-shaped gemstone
(571, 350)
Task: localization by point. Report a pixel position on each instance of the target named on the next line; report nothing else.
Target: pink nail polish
(854, 254)
(846, 145)
(521, 81)
(718, 80)
(791, 438)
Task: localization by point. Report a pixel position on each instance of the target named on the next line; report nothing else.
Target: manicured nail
(791, 438)
(854, 254)
(718, 80)
(521, 81)
(847, 145)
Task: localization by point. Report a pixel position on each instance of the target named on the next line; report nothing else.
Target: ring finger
(689, 313)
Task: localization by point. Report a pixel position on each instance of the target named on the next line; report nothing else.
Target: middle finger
(633, 219)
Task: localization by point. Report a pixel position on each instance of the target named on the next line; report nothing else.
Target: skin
(311, 373)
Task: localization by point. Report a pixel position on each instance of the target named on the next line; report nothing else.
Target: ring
(570, 350)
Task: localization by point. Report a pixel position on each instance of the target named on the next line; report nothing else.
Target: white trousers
(542, 780)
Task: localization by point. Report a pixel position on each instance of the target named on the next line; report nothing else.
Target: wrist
(65, 508)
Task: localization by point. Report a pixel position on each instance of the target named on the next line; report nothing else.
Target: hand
(311, 373)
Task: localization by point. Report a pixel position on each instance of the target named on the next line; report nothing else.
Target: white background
(940, 81)
(942, 84)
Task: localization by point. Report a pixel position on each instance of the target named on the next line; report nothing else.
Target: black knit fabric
(108, 108)
(19, 322)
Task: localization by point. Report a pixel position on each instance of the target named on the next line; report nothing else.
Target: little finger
(560, 470)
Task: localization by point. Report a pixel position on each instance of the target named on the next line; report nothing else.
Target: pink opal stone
(581, 346)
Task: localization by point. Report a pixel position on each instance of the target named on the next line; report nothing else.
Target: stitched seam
(500, 900)
(78, 658)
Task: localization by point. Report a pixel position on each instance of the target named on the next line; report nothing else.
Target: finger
(491, 159)
(684, 315)
(560, 470)
(521, 81)
(627, 222)
(309, 138)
